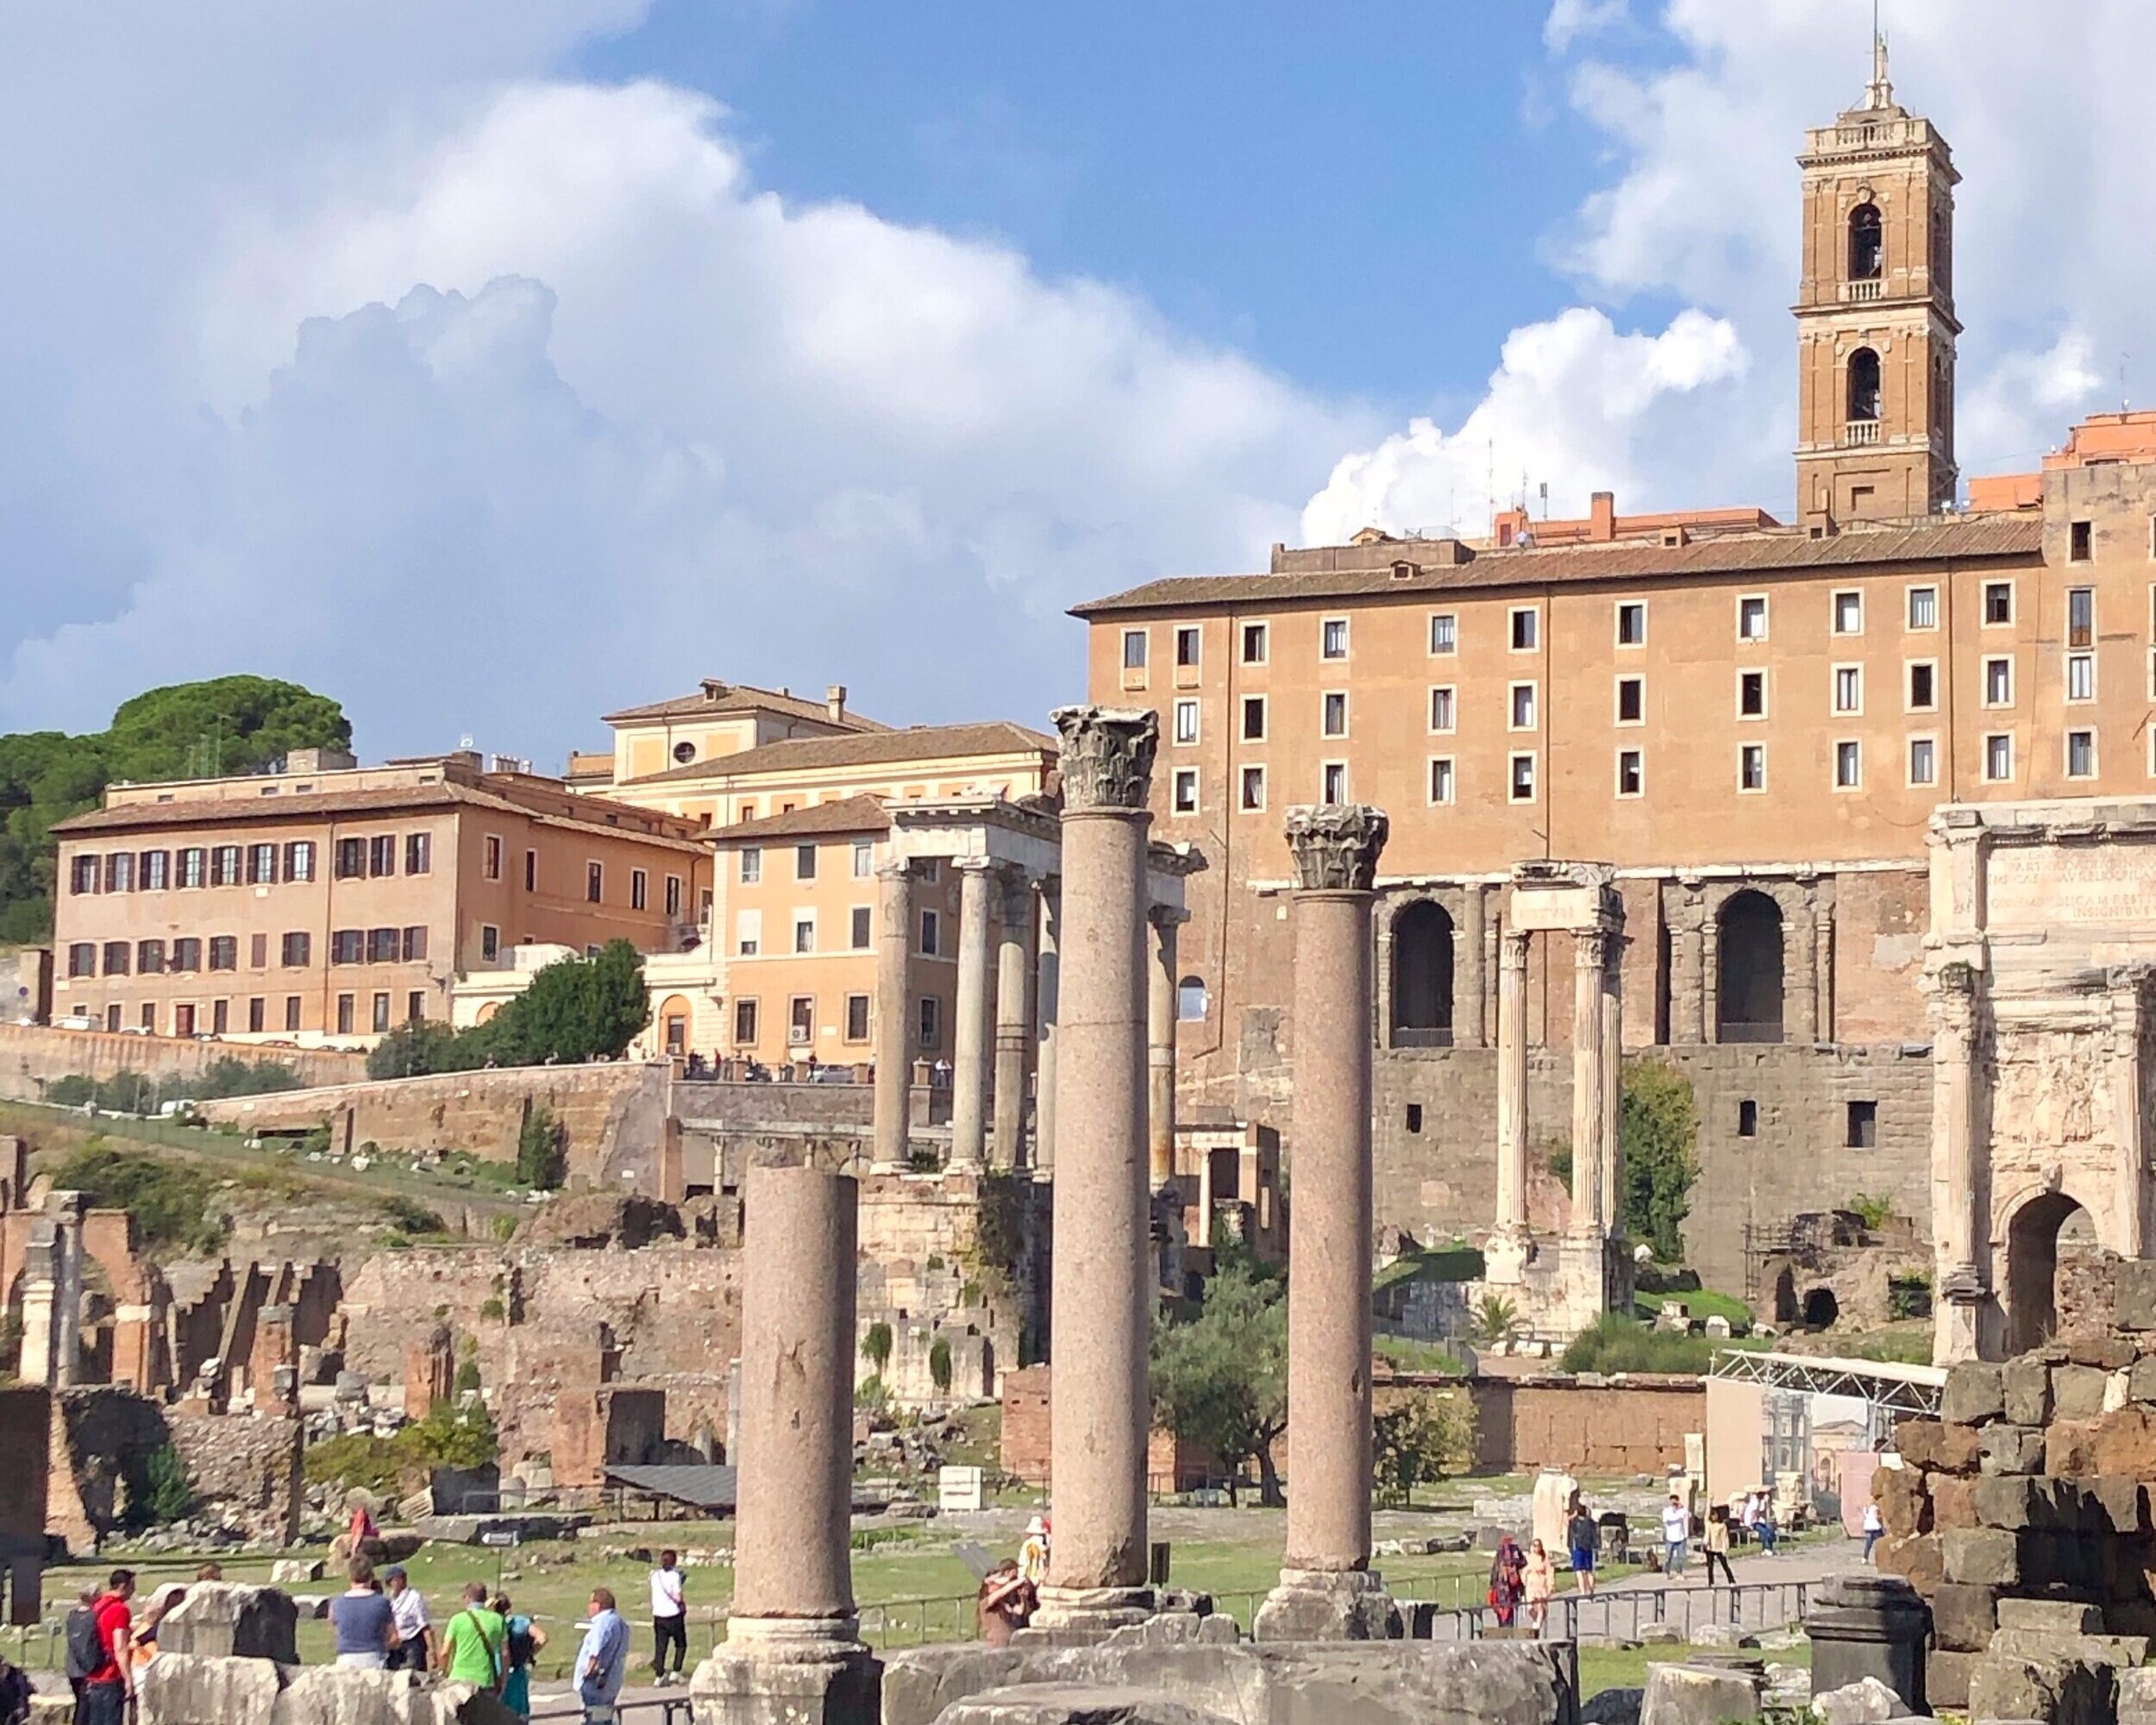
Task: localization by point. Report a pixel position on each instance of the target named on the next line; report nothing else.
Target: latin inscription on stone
(2043, 886)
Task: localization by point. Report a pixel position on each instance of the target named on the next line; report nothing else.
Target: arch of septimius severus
(2040, 976)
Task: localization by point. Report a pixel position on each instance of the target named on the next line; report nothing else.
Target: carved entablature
(1107, 756)
(1336, 846)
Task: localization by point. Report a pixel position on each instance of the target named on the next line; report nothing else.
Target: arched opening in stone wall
(1864, 395)
(2046, 1229)
(1748, 990)
(1821, 1308)
(1867, 244)
(1422, 976)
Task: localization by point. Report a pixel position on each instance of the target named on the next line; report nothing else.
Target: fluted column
(1160, 1044)
(1612, 1030)
(1046, 1002)
(1014, 1035)
(1471, 988)
(1512, 1085)
(1962, 1269)
(1823, 973)
(1710, 981)
(894, 1018)
(1101, 1284)
(1327, 1592)
(1590, 961)
(969, 1061)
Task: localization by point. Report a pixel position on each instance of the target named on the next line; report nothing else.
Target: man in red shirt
(106, 1691)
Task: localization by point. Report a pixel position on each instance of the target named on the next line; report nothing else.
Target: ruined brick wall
(34, 1055)
(813, 1108)
(1879, 924)
(244, 1468)
(1637, 1427)
(615, 1113)
(26, 1416)
(1025, 1453)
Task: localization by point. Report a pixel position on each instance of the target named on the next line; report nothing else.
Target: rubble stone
(2077, 1392)
(1953, 1502)
(2141, 1379)
(2011, 1449)
(231, 1619)
(1920, 1558)
(1963, 1614)
(2134, 1302)
(2027, 1385)
(1687, 1695)
(1902, 1500)
(1974, 1395)
(1946, 1676)
(1988, 1556)
(2104, 1351)
(2123, 1502)
(1866, 1701)
(2061, 1692)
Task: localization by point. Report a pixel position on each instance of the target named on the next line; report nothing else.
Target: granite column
(977, 982)
(1160, 1044)
(1046, 985)
(894, 1018)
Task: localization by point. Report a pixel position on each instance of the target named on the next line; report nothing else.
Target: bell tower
(1875, 316)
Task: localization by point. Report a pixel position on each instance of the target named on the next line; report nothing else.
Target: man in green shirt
(472, 1642)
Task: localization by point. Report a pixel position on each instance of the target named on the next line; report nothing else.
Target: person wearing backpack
(526, 1637)
(82, 1655)
(110, 1684)
(472, 1645)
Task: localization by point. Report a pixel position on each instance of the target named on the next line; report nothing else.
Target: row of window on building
(187, 1019)
(800, 1021)
(860, 929)
(295, 952)
(805, 863)
(224, 865)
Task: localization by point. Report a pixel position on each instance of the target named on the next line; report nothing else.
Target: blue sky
(492, 364)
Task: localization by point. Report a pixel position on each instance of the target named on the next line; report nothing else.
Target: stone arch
(1421, 1007)
(1867, 243)
(1749, 979)
(672, 1022)
(1865, 398)
(2029, 1289)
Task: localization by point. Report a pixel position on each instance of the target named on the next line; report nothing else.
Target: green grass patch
(1701, 1302)
(1407, 1354)
(171, 1201)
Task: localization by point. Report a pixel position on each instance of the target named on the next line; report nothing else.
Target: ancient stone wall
(26, 1417)
(33, 1055)
(244, 1468)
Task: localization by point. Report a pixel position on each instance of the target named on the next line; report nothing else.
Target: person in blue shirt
(604, 1657)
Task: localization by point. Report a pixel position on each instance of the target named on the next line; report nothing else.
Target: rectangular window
(415, 1006)
(1332, 638)
(932, 931)
(490, 857)
(1186, 721)
(120, 872)
(418, 853)
(82, 959)
(748, 932)
(1134, 649)
(295, 948)
(1752, 617)
(1923, 685)
(639, 889)
(1254, 643)
(1445, 632)
(381, 1013)
(805, 934)
(2081, 676)
(1443, 707)
(594, 883)
(531, 871)
(2081, 543)
(1526, 628)
(751, 864)
(857, 1018)
(1998, 603)
(257, 1016)
(1186, 645)
(299, 860)
(1253, 719)
(347, 1010)
(187, 953)
(191, 862)
(1923, 607)
(673, 890)
(1632, 700)
(1631, 772)
(805, 862)
(117, 955)
(1522, 707)
(347, 945)
(1632, 622)
(1521, 778)
(1333, 786)
(224, 866)
(382, 854)
(149, 958)
(351, 858)
(1848, 613)
(261, 865)
(489, 942)
(383, 945)
(1998, 682)
(85, 874)
(1848, 766)
(2081, 753)
(291, 1012)
(1441, 780)
(414, 943)
(154, 869)
(1747, 1117)
(1751, 767)
(183, 1019)
(220, 1017)
(1253, 789)
(859, 931)
(1863, 1126)
(744, 1024)
(1335, 713)
(2081, 616)
(1848, 688)
(257, 952)
(800, 1021)
(932, 1021)
(1998, 758)
(1923, 760)
(1186, 790)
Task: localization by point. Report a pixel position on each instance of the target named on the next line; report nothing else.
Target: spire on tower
(1880, 94)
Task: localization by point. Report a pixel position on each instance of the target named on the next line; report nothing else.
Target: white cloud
(1570, 20)
(1573, 404)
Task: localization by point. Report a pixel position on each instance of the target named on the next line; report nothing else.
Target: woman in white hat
(1033, 1554)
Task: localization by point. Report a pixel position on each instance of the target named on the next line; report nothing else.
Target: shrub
(875, 1347)
(491, 1309)
(1909, 1296)
(1496, 1319)
(1659, 1126)
(939, 1365)
(171, 1496)
(170, 1201)
(468, 1377)
(448, 1437)
(1418, 1441)
(1872, 1211)
(408, 1217)
(1614, 1343)
(542, 1149)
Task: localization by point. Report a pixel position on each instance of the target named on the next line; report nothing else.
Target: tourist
(1749, 1515)
(364, 1620)
(526, 1637)
(81, 1637)
(1033, 1552)
(1874, 1526)
(1677, 1531)
(602, 1658)
(144, 1639)
(1539, 1581)
(1006, 1603)
(1716, 1544)
(108, 1689)
(412, 1651)
(1507, 1580)
(1580, 1534)
(472, 1645)
(1765, 1528)
(670, 1619)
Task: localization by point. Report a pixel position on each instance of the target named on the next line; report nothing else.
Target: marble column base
(775, 1671)
(1327, 1605)
(1075, 1616)
(1505, 1259)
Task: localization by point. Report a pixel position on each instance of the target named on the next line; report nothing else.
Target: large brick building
(1752, 721)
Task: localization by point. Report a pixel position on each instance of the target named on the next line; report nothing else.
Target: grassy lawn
(1602, 1668)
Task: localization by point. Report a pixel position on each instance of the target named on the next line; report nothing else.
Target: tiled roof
(846, 814)
(872, 749)
(732, 698)
(1792, 551)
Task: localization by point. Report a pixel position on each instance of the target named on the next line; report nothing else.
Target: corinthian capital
(1107, 756)
(1336, 846)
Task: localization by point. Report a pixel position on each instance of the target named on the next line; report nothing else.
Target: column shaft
(1014, 1035)
(1471, 990)
(1046, 997)
(1160, 1047)
(1710, 979)
(895, 946)
(1589, 960)
(1612, 1090)
(1512, 1083)
(970, 1064)
(796, 1380)
(1823, 973)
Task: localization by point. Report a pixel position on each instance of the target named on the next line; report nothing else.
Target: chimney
(835, 702)
(1601, 510)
